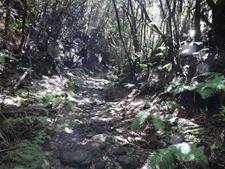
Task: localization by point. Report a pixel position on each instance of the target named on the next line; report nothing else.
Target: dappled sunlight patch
(77, 121)
(121, 140)
(8, 100)
(146, 165)
(102, 118)
(68, 130)
(137, 103)
(184, 147)
(62, 126)
(133, 140)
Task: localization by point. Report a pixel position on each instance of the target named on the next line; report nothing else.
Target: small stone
(44, 164)
(120, 151)
(80, 155)
(100, 164)
(77, 158)
(175, 139)
(128, 162)
(100, 138)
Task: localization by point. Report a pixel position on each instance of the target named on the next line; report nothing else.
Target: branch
(20, 80)
(211, 4)
(205, 19)
(153, 26)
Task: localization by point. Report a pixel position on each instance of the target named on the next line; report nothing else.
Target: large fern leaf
(139, 120)
(158, 123)
(183, 152)
(211, 87)
(179, 85)
(206, 89)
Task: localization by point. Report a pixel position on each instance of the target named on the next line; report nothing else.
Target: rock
(120, 151)
(128, 162)
(80, 155)
(44, 164)
(100, 164)
(100, 138)
(77, 158)
(176, 138)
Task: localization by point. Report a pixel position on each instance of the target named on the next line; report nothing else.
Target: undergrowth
(26, 154)
(221, 114)
(4, 55)
(171, 156)
(180, 141)
(57, 100)
(25, 133)
(214, 84)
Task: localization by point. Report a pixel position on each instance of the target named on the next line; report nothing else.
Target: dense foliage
(171, 51)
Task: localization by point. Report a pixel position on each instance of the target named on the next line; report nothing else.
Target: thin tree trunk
(7, 18)
(23, 25)
(122, 40)
(219, 25)
(197, 20)
(134, 31)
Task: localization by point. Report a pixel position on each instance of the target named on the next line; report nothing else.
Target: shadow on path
(94, 135)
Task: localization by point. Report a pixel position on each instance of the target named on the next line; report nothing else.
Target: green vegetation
(221, 114)
(213, 85)
(149, 74)
(177, 154)
(25, 155)
(139, 120)
(4, 55)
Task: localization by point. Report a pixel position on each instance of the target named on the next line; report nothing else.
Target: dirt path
(94, 134)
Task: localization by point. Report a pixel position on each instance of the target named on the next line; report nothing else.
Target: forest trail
(94, 134)
(112, 84)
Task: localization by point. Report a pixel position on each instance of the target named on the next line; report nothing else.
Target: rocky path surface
(95, 134)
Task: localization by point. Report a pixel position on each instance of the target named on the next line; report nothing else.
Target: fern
(206, 89)
(5, 55)
(221, 114)
(40, 137)
(211, 87)
(139, 120)
(179, 85)
(166, 158)
(26, 155)
(162, 159)
(158, 123)
(54, 100)
(19, 123)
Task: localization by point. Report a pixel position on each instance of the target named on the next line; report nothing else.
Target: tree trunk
(219, 24)
(134, 31)
(7, 22)
(197, 20)
(122, 40)
(23, 25)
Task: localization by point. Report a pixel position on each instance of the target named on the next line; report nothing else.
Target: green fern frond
(158, 123)
(139, 120)
(206, 89)
(166, 158)
(211, 87)
(179, 85)
(162, 159)
(6, 55)
(221, 114)
(26, 155)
